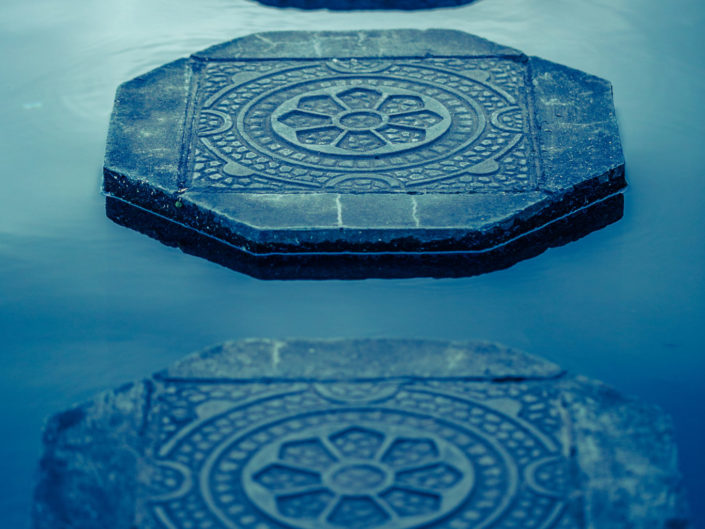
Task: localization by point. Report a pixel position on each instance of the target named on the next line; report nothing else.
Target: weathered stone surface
(377, 141)
(317, 434)
(348, 5)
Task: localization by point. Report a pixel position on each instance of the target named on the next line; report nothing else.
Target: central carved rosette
(362, 121)
(358, 478)
(361, 476)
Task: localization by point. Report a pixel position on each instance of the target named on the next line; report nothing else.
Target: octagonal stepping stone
(378, 141)
(330, 434)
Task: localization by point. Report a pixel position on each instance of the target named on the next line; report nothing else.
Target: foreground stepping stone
(348, 5)
(360, 434)
(379, 141)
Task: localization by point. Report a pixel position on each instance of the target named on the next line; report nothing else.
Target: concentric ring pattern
(300, 456)
(441, 125)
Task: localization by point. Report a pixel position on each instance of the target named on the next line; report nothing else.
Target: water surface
(86, 304)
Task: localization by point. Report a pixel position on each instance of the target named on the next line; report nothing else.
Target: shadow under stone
(368, 265)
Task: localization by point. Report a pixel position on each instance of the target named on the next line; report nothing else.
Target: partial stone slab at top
(349, 5)
(376, 141)
(373, 434)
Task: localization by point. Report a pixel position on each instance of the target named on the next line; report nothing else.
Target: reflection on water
(86, 304)
(364, 266)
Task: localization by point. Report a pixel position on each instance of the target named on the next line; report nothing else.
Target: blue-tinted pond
(86, 304)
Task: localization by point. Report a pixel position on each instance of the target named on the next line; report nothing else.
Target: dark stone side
(365, 266)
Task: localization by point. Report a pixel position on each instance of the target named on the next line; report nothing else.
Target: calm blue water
(86, 305)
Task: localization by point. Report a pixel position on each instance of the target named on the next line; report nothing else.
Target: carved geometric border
(434, 453)
(488, 148)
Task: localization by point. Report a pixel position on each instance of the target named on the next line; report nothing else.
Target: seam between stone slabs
(523, 58)
(533, 127)
(499, 379)
(193, 78)
(339, 206)
(414, 211)
(149, 390)
(571, 447)
(217, 191)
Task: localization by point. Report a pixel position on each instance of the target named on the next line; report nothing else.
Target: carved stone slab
(379, 141)
(374, 434)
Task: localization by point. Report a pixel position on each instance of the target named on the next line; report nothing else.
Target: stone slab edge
(357, 44)
(146, 137)
(317, 266)
(146, 134)
(341, 359)
(627, 461)
(89, 468)
(579, 144)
